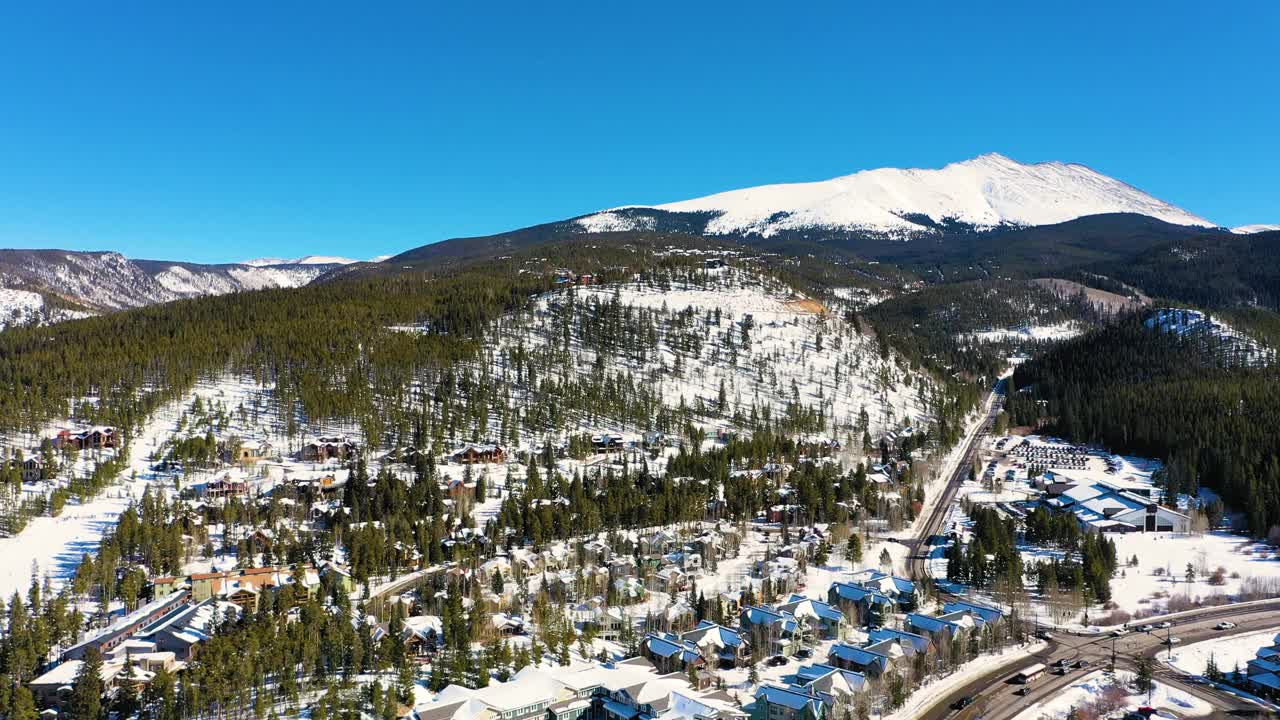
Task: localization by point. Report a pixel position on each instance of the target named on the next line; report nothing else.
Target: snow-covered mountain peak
(305, 260)
(1251, 229)
(988, 191)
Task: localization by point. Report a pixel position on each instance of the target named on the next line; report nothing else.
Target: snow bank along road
(995, 697)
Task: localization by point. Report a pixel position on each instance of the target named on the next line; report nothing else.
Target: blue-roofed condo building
(861, 605)
(818, 620)
(728, 646)
(870, 662)
(669, 653)
(774, 702)
(770, 631)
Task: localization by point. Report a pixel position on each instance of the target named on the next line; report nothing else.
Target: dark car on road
(962, 703)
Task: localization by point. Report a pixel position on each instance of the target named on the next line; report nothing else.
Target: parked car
(776, 660)
(1147, 628)
(1120, 632)
(1082, 663)
(1165, 624)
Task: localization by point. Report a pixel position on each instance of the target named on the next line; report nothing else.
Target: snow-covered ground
(1159, 576)
(796, 351)
(19, 307)
(55, 545)
(1229, 652)
(1058, 331)
(1093, 687)
(1227, 341)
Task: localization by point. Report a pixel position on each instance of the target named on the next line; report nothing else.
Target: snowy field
(1222, 562)
(1229, 652)
(1095, 686)
(1038, 333)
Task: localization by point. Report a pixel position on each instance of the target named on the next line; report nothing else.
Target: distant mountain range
(989, 215)
(58, 284)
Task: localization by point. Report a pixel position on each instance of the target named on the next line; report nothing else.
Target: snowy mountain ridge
(304, 260)
(49, 285)
(986, 192)
(1253, 229)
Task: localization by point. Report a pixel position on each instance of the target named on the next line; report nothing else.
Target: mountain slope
(966, 220)
(989, 191)
(1254, 229)
(108, 281)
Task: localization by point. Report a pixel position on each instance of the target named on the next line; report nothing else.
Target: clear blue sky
(232, 131)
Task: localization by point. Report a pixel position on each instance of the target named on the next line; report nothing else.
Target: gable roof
(757, 615)
(861, 657)
(709, 633)
(857, 593)
(792, 698)
(801, 606)
(986, 612)
(919, 642)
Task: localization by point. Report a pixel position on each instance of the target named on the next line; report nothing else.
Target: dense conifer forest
(1135, 390)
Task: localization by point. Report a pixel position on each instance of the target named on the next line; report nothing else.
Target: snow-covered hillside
(1225, 341)
(20, 307)
(735, 342)
(985, 192)
(107, 281)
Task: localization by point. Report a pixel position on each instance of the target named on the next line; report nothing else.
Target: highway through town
(994, 693)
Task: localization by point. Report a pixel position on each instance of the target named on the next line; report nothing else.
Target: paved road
(996, 698)
(995, 694)
(932, 526)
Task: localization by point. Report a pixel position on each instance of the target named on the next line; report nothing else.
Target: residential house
(478, 453)
(94, 438)
(913, 642)
(53, 688)
(818, 620)
(669, 653)
(31, 469)
(869, 662)
(252, 452)
(323, 449)
(774, 702)
(830, 682)
(422, 634)
(727, 646)
(987, 613)
(773, 632)
(860, 604)
(226, 487)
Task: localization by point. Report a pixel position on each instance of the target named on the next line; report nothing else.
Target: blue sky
(230, 131)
